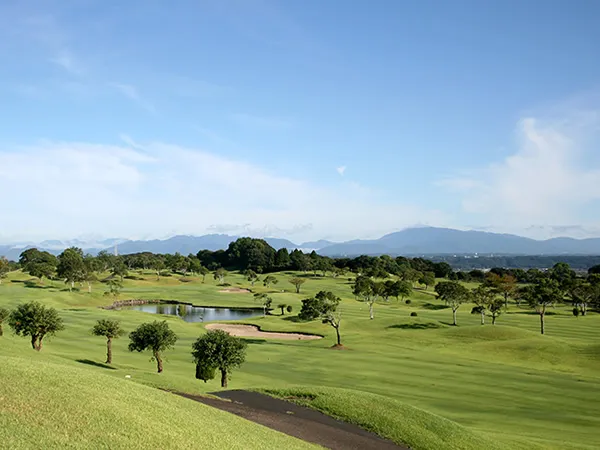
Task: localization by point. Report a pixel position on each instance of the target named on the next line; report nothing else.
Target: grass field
(506, 386)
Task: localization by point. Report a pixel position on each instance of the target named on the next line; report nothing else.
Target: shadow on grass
(35, 285)
(434, 307)
(532, 313)
(255, 341)
(294, 319)
(89, 362)
(416, 326)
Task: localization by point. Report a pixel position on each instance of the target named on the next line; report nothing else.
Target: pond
(191, 313)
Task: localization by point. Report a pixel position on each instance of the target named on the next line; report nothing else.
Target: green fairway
(505, 385)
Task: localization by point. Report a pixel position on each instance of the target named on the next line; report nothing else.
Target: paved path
(304, 423)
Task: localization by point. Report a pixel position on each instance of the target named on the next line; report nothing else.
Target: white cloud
(341, 170)
(68, 189)
(132, 93)
(551, 180)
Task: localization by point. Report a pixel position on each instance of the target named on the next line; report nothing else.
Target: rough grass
(55, 407)
(401, 423)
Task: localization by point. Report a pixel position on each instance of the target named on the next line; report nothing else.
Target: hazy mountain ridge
(412, 241)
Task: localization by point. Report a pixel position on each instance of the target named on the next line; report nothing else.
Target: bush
(413, 314)
(166, 273)
(289, 308)
(224, 284)
(408, 302)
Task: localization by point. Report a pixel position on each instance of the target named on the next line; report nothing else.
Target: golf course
(407, 374)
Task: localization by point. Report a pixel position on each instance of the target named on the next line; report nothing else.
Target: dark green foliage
(4, 313)
(4, 268)
(320, 305)
(249, 253)
(289, 308)
(594, 269)
(453, 294)
(220, 275)
(282, 306)
(269, 280)
(153, 336)
(408, 301)
(71, 267)
(297, 282)
(265, 301)
(110, 329)
(427, 278)
(38, 264)
(576, 312)
(35, 320)
(546, 292)
(413, 314)
(217, 350)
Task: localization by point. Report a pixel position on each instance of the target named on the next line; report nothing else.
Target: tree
(453, 294)
(544, 293)
(563, 274)
(110, 329)
(324, 306)
(218, 350)
(220, 275)
(194, 264)
(156, 337)
(289, 308)
(158, 265)
(594, 270)
(337, 272)
(297, 282)
(282, 306)
(251, 276)
(35, 320)
(4, 268)
(282, 259)
(495, 308)
(114, 287)
(428, 279)
(38, 264)
(482, 298)
(369, 291)
(71, 267)
(203, 271)
(504, 285)
(4, 314)
(119, 268)
(581, 294)
(265, 300)
(269, 280)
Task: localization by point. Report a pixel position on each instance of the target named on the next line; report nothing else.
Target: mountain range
(411, 242)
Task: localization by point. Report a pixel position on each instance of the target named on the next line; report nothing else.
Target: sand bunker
(234, 290)
(253, 331)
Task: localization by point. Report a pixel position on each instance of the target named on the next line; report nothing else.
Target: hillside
(67, 407)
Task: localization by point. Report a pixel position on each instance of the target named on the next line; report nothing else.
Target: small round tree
(153, 336)
(217, 350)
(282, 306)
(35, 320)
(110, 329)
(4, 313)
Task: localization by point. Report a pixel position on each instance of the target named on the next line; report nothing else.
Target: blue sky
(303, 120)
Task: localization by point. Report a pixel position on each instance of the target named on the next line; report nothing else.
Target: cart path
(295, 420)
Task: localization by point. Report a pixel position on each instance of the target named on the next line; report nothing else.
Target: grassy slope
(507, 381)
(67, 407)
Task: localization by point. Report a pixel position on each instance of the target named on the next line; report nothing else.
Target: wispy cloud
(66, 60)
(132, 93)
(551, 179)
(341, 170)
(254, 121)
(163, 188)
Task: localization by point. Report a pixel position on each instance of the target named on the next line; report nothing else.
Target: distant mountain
(411, 242)
(316, 245)
(430, 240)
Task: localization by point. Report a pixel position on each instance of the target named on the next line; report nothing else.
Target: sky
(303, 120)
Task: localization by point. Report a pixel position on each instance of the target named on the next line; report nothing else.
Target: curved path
(298, 421)
(254, 331)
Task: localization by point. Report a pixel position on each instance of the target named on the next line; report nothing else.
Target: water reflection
(195, 313)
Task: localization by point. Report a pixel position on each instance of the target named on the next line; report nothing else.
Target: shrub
(413, 314)
(408, 302)
(289, 308)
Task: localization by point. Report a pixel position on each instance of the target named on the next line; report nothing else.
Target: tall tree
(545, 293)
(368, 291)
(110, 329)
(156, 337)
(453, 294)
(71, 267)
(203, 271)
(114, 287)
(324, 305)
(482, 298)
(4, 268)
(36, 321)
(220, 275)
(218, 350)
(269, 280)
(251, 276)
(157, 263)
(297, 282)
(427, 279)
(119, 268)
(282, 259)
(265, 301)
(39, 264)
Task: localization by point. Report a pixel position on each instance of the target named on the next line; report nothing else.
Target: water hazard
(191, 313)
